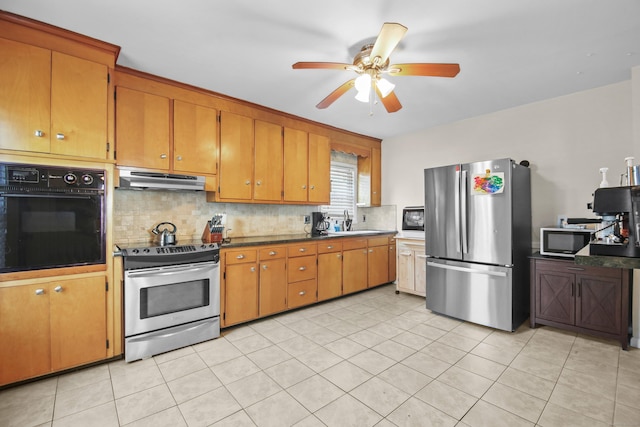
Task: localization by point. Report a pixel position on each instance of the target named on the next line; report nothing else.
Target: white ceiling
(510, 52)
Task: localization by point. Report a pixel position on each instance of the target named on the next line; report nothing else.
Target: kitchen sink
(354, 232)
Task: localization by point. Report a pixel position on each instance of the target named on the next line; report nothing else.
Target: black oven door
(51, 230)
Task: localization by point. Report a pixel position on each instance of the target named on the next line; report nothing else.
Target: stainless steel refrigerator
(477, 239)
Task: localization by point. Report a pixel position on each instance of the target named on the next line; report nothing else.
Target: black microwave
(413, 218)
(564, 242)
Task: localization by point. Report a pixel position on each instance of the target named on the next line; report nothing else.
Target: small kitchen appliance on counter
(320, 225)
(171, 297)
(166, 237)
(412, 222)
(622, 204)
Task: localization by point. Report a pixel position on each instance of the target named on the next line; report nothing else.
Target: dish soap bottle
(604, 183)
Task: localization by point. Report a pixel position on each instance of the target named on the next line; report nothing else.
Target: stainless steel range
(171, 297)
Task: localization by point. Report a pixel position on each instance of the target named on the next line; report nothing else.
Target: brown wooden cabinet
(378, 261)
(51, 102)
(307, 163)
(240, 279)
(51, 326)
(272, 280)
(376, 177)
(144, 125)
(329, 269)
(302, 273)
(586, 299)
(268, 161)
(354, 265)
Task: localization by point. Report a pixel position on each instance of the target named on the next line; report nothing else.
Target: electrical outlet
(364, 218)
(306, 219)
(562, 219)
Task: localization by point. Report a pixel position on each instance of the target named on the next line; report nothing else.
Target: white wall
(566, 140)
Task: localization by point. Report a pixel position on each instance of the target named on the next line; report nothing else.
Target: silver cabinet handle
(302, 249)
(264, 266)
(272, 253)
(58, 289)
(391, 248)
(370, 251)
(303, 268)
(38, 133)
(247, 182)
(258, 182)
(60, 136)
(179, 158)
(163, 156)
(304, 187)
(313, 187)
(241, 256)
(339, 255)
(252, 269)
(302, 293)
(39, 291)
(330, 247)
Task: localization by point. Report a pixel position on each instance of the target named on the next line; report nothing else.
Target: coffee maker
(622, 205)
(319, 224)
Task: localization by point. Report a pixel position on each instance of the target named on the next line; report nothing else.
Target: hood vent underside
(140, 180)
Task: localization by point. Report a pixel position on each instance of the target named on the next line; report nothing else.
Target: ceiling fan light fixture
(363, 86)
(363, 96)
(385, 87)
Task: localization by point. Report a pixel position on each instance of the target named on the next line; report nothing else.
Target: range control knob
(87, 179)
(70, 178)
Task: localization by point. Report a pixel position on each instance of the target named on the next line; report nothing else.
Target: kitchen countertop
(294, 238)
(583, 257)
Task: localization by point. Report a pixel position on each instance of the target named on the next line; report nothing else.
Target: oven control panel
(170, 250)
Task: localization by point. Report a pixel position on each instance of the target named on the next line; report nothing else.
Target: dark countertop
(583, 257)
(237, 242)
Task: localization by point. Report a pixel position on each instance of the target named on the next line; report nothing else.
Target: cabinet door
(195, 138)
(319, 169)
(419, 272)
(25, 350)
(599, 303)
(376, 177)
(296, 154)
(241, 293)
(273, 286)
(25, 97)
(354, 270)
(142, 129)
(555, 296)
(79, 93)
(78, 322)
(405, 268)
(268, 162)
(378, 262)
(329, 275)
(236, 156)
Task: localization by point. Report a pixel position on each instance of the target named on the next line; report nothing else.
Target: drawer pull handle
(39, 133)
(60, 136)
(39, 291)
(302, 249)
(241, 256)
(272, 253)
(163, 156)
(303, 268)
(302, 293)
(575, 268)
(330, 247)
(370, 251)
(58, 289)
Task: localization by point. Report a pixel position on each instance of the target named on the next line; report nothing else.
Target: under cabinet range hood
(131, 179)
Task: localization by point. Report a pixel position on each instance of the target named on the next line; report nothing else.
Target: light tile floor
(374, 358)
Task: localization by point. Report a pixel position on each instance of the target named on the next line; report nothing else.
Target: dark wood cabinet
(585, 299)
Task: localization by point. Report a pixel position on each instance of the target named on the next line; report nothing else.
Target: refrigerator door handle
(467, 270)
(456, 210)
(463, 213)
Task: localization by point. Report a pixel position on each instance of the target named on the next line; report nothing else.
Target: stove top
(186, 248)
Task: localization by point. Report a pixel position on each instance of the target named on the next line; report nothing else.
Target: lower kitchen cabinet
(329, 270)
(302, 273)
(378, 261)
(273, 286)
(51, 326)
(354, 265)
(241, 286)
(412, 267)
(585, 299)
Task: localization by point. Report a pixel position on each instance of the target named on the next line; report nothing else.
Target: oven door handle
(51, 195)
(169, 270)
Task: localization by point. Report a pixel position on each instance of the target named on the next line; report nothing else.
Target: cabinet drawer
(240, 256)
(328, 247)
(354, 244)
(273, 252)
(302, 268)
(571, 267)
(302, 293)
(301, 249)
(378, 241)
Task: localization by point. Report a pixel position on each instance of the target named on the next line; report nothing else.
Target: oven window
(50, 231)
(172, 298)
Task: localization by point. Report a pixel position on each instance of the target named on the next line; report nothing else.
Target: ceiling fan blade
(320, 65)
(390, 102)
(389, 37)
(336, 94)
(437, 70)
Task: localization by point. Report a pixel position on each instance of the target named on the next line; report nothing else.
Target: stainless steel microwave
(413, 218)
(564, 242)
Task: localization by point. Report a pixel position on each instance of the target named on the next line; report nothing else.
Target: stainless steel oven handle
(467, 270)
(174, 269)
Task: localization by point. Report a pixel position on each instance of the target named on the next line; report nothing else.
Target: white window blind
(343, 190)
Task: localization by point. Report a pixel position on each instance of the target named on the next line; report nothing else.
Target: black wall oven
(50, 217)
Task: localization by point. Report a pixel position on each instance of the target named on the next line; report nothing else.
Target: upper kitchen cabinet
(307, 163)
(369, 178)
(160, 126)
(54, 90)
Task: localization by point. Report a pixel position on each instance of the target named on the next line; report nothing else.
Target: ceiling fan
(371, 63)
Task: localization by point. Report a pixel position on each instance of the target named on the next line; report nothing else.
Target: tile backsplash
(136, 213)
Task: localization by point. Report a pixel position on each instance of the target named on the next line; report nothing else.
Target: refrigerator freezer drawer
(476, 293)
